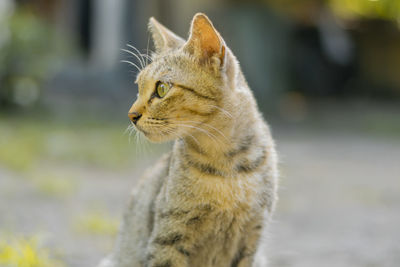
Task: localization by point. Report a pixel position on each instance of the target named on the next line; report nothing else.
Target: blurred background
(326, 74)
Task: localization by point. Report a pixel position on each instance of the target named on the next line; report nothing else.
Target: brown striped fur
(206, 203)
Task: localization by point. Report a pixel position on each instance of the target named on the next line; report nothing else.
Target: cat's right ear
(163, 38)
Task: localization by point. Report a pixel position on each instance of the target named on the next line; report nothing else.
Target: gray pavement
(339, 204)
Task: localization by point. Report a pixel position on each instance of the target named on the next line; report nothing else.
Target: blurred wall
(311, 47)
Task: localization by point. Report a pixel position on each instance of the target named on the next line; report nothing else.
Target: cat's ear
(204, 41)
(163, 38)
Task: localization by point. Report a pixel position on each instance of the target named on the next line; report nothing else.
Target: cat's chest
(237, 194)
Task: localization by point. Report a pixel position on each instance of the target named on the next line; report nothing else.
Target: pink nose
(134, 116)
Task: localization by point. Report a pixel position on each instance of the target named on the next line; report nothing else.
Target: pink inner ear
(210, 43)
(208, 39)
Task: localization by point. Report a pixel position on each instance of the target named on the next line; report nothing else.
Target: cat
(208, 201)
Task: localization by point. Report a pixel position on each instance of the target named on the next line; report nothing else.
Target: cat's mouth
(155, 135)
(140, 129)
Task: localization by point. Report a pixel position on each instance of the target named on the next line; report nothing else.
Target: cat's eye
(162, 88)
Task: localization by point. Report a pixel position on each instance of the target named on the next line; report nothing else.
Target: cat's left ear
(163, 38)
(205, 42)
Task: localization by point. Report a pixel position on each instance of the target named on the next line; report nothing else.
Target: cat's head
(185, 84)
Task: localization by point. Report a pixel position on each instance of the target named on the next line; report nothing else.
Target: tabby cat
(207, 202)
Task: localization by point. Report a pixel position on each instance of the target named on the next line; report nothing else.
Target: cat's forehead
(152, 72)
(163, 68)
(176, 67)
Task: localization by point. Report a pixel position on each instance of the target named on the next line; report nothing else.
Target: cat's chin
(154, 138)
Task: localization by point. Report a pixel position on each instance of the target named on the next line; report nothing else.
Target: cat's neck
(224, 141)
(214, 137)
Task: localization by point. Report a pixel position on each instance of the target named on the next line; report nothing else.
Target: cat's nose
(134, 116)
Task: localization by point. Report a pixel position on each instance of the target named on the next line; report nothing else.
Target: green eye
(162, 88)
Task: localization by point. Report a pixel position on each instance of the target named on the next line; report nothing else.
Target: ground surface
(339, 202)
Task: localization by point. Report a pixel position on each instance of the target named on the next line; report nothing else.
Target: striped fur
(207, 202)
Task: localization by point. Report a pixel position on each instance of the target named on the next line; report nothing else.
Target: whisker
(140, 142)
(142, 59)
(137, 143)
(190, 135)
(146, 56)
(137, 50)
(133, 54)
(127, 129)
(194, 138)
(208, 125)
(147, 49)
(131, 63)
(222, 110)
(130, 130)
(212, 136)
(133, 131)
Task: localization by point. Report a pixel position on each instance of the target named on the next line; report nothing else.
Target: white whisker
(208, 125)
(222, 110)
(212, 136)
(131, 63)
(133, 54)
(147, 57)
(137, 50)
(174, 132)
(194, 138)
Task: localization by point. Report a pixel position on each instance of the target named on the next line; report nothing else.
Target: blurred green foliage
(27, 52)
(384, 9)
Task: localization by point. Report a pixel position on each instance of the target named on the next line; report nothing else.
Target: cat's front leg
(246, 254)
(164, 255)
(169, 249)
(176, 235)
